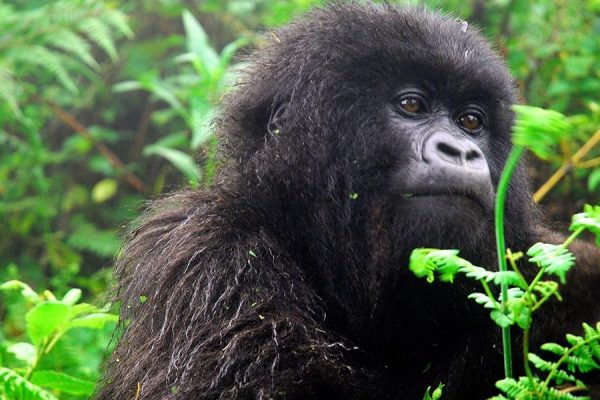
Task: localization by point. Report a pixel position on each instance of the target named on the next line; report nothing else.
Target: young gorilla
(358, 134)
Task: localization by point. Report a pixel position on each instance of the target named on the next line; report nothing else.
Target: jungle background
(106, 104)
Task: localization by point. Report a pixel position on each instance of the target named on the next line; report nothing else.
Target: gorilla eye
(470, 122)
(412, 104)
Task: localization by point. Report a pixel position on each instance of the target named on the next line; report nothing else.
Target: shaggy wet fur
(288, 279)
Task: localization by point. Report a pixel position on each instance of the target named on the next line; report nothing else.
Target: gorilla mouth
(485, 204)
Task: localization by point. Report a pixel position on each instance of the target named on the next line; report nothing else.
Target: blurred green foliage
(106, 103)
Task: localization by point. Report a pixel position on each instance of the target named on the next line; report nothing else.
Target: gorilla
(356, 134)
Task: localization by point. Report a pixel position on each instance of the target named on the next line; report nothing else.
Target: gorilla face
(447, 165)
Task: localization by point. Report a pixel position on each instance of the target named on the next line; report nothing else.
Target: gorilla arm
(225, 316)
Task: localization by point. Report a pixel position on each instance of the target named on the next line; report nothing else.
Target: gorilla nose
(450, 151)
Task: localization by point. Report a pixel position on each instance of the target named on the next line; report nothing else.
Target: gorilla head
(354, 135)
(406, 109)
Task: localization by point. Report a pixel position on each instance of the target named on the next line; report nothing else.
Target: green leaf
(520, 313)
(540, 130)
(72, 43)
(594, 181)
(230, 49)
(554, 348)
(589, 219)
(23, 351)
(447, 263)
(46, 319)
(93, 321)
(104, 190)
(539, 362)
(26, 291)
(179, 159)
(118, 20)
(483, 299)
(127, 86)
(100, 34)
(63, 382)
(166, 93)
(501, 319)
(201, 115)
(14, 387)
(555, 260)
(82, 309)
(72, 297)
(50, 61)
(197, 43)
(436, 395)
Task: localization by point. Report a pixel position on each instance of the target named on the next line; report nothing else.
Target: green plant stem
(526, 331)
(511, 163)
(572, 237)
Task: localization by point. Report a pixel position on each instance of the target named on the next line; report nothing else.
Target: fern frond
(582, 362)
(521, 389)
(589, 219)
(50, 61)
(556, 260)
(9, 89)
(540, 363)
(118, 20)
(72, 43)
(555, 348)
(14, 387)
(99, 33)
(593, 337)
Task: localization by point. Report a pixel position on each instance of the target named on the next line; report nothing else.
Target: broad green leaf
(182, 161)
(94, 321)
(540, 130)
(436, 395)
(23, 351)
(127, 86)
(82, 309)
(229, 50)
(63, 382)
(45, 319)
(72, 297)
(26, 291)
(589, 219)
(104, 190)
(14, 387)
(197, 42)
(594, 181)
(201, 115)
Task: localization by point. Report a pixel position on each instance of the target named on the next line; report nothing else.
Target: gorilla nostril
(446, 149)
(473, 155)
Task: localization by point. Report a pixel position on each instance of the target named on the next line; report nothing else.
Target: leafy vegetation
(104, 104)
(38, 368)
(519, 299)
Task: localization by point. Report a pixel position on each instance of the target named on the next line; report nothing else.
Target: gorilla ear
(276, 118)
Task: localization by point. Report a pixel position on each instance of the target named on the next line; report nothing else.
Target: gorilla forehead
(387, 44)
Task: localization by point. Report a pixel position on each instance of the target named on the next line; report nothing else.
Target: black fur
(288, 278)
